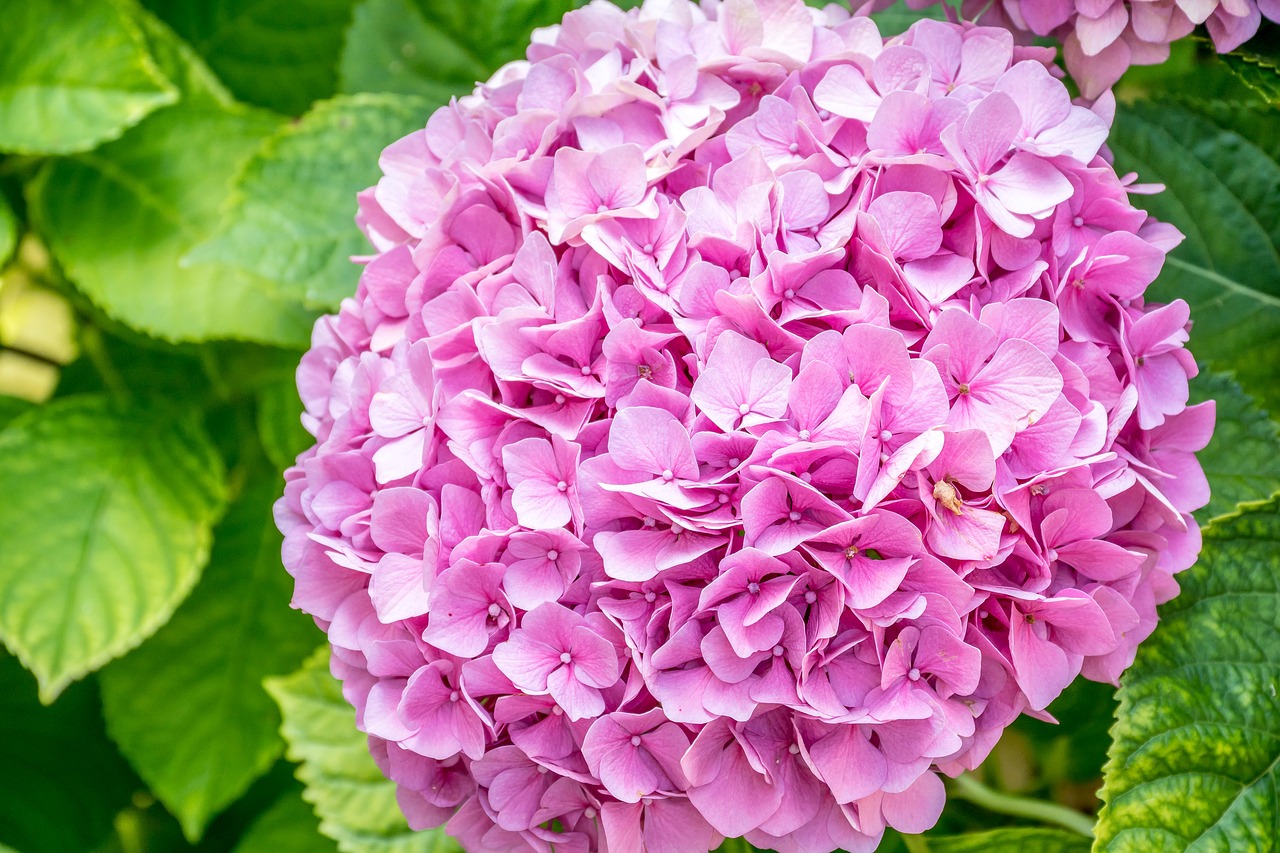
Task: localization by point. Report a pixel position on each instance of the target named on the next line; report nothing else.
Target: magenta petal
(577, 699)
(918, 807)
(848, 763)
(734, 798)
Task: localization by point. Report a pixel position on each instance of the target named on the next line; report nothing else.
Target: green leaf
(281, 56)
(1257, 63)
(8, 232)
(279, 424)
(1196, 744)
(1011, 840)
(62, 779)
(11, 407)
(1241, 461)
(73, 73)
(899, 17)
(116, 508)
(356, 804)
(1074, 749)
(187, 707)
(1220, 169)
(437, 48)
(121, 218)
(291, 217)
(288, 826)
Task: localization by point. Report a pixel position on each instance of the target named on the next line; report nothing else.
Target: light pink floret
(1102, 38)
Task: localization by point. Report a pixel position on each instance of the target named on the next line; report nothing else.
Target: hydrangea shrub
(743, 419)
(930, 265)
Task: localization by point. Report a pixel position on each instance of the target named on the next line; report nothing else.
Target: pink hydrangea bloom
(1102, 38)
(743, 420)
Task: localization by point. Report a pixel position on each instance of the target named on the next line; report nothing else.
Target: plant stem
(965, 787)
(95, 348)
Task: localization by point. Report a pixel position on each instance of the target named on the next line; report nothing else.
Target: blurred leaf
(1011, 840)
(438, 48)
(892, 842)
(292, 215)
(251, 368)
(187, 707)
(289, 826)
(280, 424)
(1075, 749)
(62, 779)
(8, 232)
(1197, 737)
(116, 507)
(1192, 70)
(11, 407)
(281, 56)
(137, 362)
(1257, 62)
(1220, 169)
(1241, 461)
(73, 73)
(899, 17)
(120, 218)
(356, 804)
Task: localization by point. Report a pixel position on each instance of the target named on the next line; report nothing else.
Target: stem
(17, 164)
(213, 370)
(92, 345)
(965, 787)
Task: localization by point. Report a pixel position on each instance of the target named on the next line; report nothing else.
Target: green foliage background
(177, 180)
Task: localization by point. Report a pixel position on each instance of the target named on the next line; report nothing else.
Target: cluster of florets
(1102, 38)
(742, 421)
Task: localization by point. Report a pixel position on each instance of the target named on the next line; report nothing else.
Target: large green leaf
(356, 804)
(187, 707)
(1257, 63)
(11, 407)
(1221, 172)
(73, 73)
(1197, 736)
(288, 826)
(61, 778)
(277, 55)
(1243, 459)
(109, 512)
(291, 218)
(121, 218)
(438, 48)
(1011, 840)
(280, 423)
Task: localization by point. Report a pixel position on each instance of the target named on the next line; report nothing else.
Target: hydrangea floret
(742, 420)
(1102, 38)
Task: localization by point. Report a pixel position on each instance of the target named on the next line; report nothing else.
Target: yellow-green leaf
(187, 707)
(356, 804)
(1196, 745)
(73, 73)
(115, 507)
(121, 218)
(291, 219)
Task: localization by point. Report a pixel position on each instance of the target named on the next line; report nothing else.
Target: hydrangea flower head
(742, 420)
(1102, 38)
